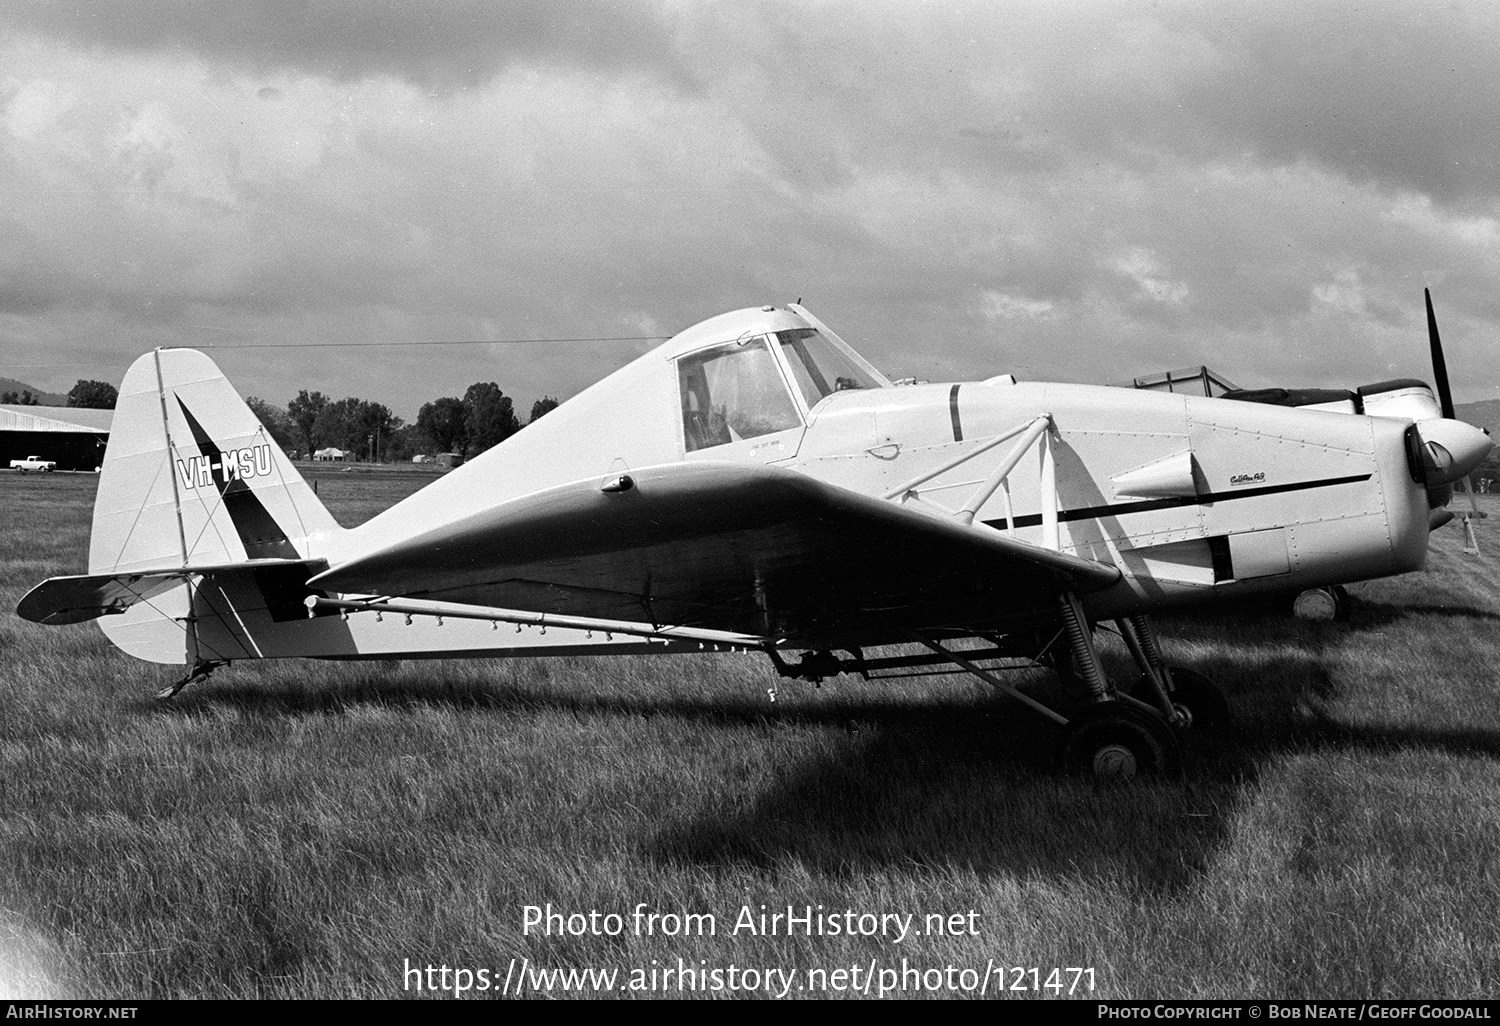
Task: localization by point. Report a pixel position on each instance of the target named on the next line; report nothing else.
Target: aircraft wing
(728, 546)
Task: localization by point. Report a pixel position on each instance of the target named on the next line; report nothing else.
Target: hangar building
(75, 438)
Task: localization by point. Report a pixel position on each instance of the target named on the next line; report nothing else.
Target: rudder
(191, 477)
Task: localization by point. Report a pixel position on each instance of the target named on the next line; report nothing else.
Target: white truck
(33, 463)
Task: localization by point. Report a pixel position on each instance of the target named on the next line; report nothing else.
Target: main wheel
(1116, 741)
(1199, 700)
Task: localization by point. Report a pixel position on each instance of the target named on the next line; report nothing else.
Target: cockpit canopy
(760, 384)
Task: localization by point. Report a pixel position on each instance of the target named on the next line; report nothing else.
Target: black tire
(1201, 699)
(1117, 741)
(1320, 605)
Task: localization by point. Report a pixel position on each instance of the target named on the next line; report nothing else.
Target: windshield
(819, 367)
(733, 392)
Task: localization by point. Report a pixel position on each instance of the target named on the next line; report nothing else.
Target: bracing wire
(428, 342)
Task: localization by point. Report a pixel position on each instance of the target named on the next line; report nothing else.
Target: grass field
(299, 829)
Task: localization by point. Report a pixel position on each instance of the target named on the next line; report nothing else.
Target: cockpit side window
(733, 392)
(819, 367)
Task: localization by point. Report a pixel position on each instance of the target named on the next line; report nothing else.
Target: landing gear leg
(1116, 737)
(1188, 699)
(1113, 739)
(1199, 700)
(1158, 677)
(200, 672)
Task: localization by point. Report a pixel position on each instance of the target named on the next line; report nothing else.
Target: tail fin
(205, 538)
(194, 498)
(191, 477)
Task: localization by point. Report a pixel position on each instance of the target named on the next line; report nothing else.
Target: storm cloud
(1089, 192)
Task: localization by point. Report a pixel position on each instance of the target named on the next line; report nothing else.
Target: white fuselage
(1190, 498)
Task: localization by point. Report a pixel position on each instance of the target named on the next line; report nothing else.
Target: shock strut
(1085, 659)
(1147, 638)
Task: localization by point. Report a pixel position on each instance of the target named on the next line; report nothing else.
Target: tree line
(484, 417)
(86, 395)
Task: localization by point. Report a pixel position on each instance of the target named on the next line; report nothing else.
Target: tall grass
(296, 828)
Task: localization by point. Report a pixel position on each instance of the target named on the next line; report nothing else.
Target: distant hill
(42, 398)
(1485, 414)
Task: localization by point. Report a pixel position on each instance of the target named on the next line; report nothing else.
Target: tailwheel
(1116, 741)
(1327, 605)
(1199, 700)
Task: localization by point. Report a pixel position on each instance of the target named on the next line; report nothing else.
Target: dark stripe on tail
(261, 535)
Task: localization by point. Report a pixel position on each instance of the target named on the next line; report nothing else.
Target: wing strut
(1031, 433)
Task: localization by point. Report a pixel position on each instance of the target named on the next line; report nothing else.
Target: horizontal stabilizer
(61, 600)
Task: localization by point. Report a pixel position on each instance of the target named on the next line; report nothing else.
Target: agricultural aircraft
(754, 484)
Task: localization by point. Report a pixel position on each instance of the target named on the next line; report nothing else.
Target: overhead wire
(428, 342)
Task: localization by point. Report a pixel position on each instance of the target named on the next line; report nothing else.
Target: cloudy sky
(1077, 192)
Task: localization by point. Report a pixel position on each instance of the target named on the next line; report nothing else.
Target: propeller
(1439, 365)
(1445, 399)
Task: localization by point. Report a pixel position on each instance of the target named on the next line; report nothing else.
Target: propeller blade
(1439, 365)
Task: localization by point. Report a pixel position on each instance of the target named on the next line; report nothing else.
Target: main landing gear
(1106, 732)
(1115, 735)
(1118, 741)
